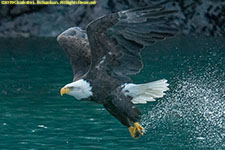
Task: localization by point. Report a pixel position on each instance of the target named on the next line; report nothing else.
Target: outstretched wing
(75, 43)
(116, 40)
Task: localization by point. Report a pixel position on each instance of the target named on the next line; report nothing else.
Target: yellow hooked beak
(64, 90)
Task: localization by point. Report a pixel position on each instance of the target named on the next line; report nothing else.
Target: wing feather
(75, 43)
(120, 37)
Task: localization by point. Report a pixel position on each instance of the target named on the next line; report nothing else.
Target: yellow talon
(136, 130)
(132, 131)
(139, 128)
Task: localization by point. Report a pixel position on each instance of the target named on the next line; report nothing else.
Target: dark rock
(205, 17)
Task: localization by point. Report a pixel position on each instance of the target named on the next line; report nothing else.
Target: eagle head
(79, 89)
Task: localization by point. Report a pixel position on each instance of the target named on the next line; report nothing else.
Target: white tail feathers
(147, 92)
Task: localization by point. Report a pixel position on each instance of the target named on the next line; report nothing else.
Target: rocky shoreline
(198, 17)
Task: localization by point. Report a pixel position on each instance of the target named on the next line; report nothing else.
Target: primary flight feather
(108, 52)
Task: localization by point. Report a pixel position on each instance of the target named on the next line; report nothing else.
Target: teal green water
(34, 116)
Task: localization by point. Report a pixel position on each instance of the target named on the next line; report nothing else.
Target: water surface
(34, 116)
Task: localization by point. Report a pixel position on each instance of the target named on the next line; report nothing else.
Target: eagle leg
(139, 128)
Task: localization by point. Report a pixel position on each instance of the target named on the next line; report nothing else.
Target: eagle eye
(70, 87)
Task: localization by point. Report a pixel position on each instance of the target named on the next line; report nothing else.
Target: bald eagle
(105, 54)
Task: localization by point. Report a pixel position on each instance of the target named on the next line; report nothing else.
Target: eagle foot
(136, 131)
(139, 128)
(133, 132)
